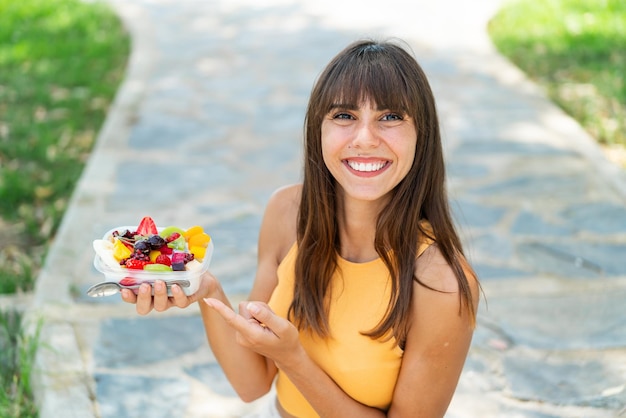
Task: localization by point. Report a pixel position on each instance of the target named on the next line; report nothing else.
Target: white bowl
(105, 263)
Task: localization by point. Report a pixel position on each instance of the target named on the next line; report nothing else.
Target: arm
(250, 373)
(435, 350)
(437, 343)
(434, 354)
(278, 339)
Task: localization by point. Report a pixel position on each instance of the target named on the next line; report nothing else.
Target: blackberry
(125, 233)
(142, 246)
(156, 242)
(139, 255)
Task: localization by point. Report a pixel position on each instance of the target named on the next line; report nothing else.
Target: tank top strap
(427, 239)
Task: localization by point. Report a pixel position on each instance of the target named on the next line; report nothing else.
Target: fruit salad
(146, 253)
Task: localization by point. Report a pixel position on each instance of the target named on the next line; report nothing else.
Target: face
(367, 150)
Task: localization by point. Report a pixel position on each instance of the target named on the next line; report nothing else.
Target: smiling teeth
(366, 166)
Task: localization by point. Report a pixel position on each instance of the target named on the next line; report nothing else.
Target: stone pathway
(208, 123)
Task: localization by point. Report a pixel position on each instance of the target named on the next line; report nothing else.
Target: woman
(363, 304)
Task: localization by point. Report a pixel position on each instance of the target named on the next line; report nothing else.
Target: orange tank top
(366, 369)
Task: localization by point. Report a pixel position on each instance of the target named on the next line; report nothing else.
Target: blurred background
(230, 105)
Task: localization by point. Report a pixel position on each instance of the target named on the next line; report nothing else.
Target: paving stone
(597, 217)
(487, 272)
(495, 246)
(528, 223)
(236, 241)
(574, 259)
(141, 183)
(128, 396)
(218, 95)
(164, 131)
(511, 412)
(582, 383)
(81, 297)
(536, 187)
(235, 250)
(225, 116)
(510, 147)
(561, 322)
(212, 375)
(472, 214)
(466, 170)
(488, 339)
(134, 342)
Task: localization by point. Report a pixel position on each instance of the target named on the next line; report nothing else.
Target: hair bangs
(369, 75)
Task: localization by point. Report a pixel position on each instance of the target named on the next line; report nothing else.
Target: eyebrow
(355, 107)
(343, 106)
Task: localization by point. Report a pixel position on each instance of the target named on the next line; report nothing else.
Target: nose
(365, 136)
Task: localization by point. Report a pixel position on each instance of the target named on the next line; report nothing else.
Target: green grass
(61, 62)
(17, 355)
(576, 50)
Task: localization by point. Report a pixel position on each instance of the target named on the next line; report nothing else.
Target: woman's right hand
(145, 302)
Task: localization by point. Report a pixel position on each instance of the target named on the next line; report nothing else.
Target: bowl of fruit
(131, 255)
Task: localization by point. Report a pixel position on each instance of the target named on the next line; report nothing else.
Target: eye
(342, 115)
(392, 117)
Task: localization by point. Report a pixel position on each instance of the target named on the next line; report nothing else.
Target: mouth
(367, 167)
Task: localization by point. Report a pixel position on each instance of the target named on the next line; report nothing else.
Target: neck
(357, 229)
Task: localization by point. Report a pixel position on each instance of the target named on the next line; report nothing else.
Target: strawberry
(147, 227)
(128, 281)
(172, 237)
(166, 250)
(133, 263)
(163, 259)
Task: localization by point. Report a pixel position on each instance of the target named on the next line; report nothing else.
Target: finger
(243, 311)
(264, 314)
(220, 307)
(204, 288)
(238, 322)
(161, 300)
(180, 297)
(128, 296)
(144, 299)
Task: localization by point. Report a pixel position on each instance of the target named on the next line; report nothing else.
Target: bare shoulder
(277, 235)
(433, 270)
(438, 339)
(281, 214)
(442, 289)
(286, 198)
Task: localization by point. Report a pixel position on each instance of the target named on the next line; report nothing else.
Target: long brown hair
(387, 75)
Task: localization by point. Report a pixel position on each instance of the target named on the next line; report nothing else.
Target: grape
(143, 246)
(156, 242)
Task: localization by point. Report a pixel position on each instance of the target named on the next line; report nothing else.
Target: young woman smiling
(363, 304)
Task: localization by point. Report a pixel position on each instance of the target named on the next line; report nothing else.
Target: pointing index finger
(238, 322)
(264, 314)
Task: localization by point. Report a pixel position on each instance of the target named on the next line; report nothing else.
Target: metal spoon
(110, 288)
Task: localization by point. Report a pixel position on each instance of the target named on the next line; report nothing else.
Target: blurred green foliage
(576, 50)
(61, 62)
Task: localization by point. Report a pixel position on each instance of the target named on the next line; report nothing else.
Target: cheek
(331, 146)
(410, 144)
(405, 150)
(329, 154)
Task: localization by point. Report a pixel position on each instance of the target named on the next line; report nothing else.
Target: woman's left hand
(261, 330)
